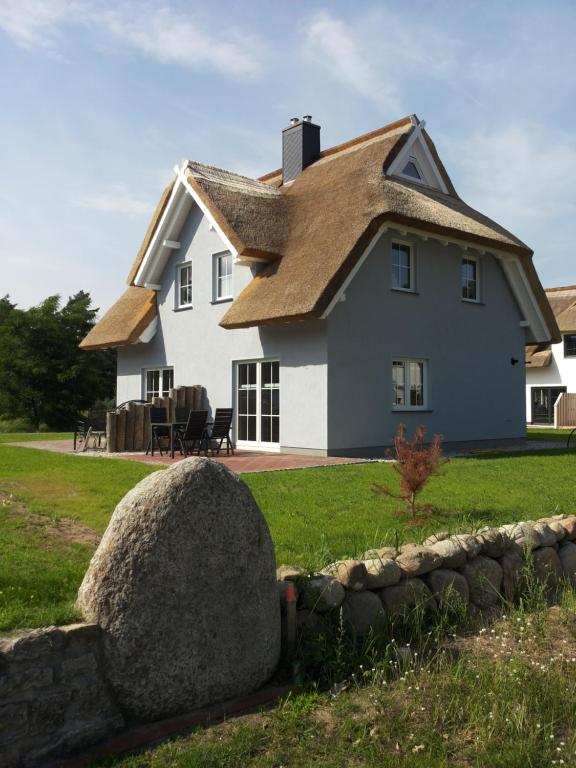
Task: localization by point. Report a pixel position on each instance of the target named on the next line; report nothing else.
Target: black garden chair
(181, 415)
(221, 430)
(194, 434)
(158, 416)
(90, 427)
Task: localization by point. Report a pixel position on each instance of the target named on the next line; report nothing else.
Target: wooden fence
(128, 428)
(565, 410)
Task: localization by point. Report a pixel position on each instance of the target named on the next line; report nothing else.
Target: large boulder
(484, 577)
(184, 586)
(569, 525)
(468, 543)
(493, 542)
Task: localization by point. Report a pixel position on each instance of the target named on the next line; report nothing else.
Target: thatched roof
(538, 355)
(313, 230)
(125, 321)
(563, 303)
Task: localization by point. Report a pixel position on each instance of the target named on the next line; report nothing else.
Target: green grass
(315, 515)
(39, 578)
(503, 697)
(548, 433)
(30, 437)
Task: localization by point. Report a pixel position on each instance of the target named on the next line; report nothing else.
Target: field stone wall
(53, 695)
(55, 698)
(480, 571)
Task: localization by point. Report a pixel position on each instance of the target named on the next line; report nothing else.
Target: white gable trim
(168, 230)
(341, 293)
(416, 145)
(511, 265)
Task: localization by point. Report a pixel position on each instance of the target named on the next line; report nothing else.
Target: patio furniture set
(190, 431)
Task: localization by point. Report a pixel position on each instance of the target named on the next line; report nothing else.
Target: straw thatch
(538, 355)
(125, 321)
(563, 303)
(313, 230)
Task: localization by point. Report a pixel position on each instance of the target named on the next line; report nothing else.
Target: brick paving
(242, 461)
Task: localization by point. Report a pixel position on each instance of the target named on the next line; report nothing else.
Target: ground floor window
(258, 402)
(158, 382)
(409, 384)
(543, 399)
(570, 345)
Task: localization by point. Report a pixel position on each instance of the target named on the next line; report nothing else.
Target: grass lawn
(549, 433)
(315, 515)
(500, 698)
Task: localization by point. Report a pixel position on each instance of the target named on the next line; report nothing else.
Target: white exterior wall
(201, 352)
(560, 373)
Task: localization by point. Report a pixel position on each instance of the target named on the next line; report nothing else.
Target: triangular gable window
(411, 169)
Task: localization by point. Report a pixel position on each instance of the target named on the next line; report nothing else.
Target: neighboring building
(551, 368)
(332, 299)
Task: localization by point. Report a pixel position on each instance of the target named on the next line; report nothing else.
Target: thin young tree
(415, 463)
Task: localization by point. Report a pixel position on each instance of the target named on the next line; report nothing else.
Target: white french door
(258, 404)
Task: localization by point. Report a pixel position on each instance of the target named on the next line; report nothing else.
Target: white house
(332, 299)
(551, 368)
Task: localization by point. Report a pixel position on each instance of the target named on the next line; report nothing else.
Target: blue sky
(100, 99)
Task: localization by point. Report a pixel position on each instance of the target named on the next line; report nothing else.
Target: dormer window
(412, 170)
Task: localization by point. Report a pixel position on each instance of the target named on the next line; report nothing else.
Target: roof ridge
(221, 170)
(560, 288)
(409, 119)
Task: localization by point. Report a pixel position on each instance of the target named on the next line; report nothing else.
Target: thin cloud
(160, 33)
(116, 200)
(173, 37)
(35, 23)
(336, 48)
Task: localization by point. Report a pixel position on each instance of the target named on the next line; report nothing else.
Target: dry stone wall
(478, 571)
(57, 685)
(53, 695)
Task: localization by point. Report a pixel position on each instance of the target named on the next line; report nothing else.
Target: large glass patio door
(258, 404)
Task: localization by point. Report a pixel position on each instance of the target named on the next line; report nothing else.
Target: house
(332, 299)
(551, 368)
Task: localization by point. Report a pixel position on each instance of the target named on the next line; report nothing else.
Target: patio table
(172, 427)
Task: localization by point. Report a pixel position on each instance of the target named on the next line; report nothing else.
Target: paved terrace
(242, 461)
(261, 461)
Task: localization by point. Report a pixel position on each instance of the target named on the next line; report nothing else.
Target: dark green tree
(44, 376)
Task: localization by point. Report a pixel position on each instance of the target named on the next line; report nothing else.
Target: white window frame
(425, 383)
(178, 285)
(422, 179)
(216, 257)
(161, 370)
(257, 444)
(410, 246)
(476, 260)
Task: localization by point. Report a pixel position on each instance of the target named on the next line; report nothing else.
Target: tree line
(45, 379)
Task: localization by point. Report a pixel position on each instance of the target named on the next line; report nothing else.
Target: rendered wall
(202, 352)
(475, 392)
(560, 373)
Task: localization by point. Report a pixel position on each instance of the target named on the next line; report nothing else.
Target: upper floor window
(470, 279)
(222, 270)
(158, 382)
(402, 267)
(412, 169)
(184, 285)
(409, 384)
(570, 345)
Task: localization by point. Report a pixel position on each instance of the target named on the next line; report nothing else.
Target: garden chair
(181, 415)
(91, 427)
(157, 416)
(221, 430)
(194, 434)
